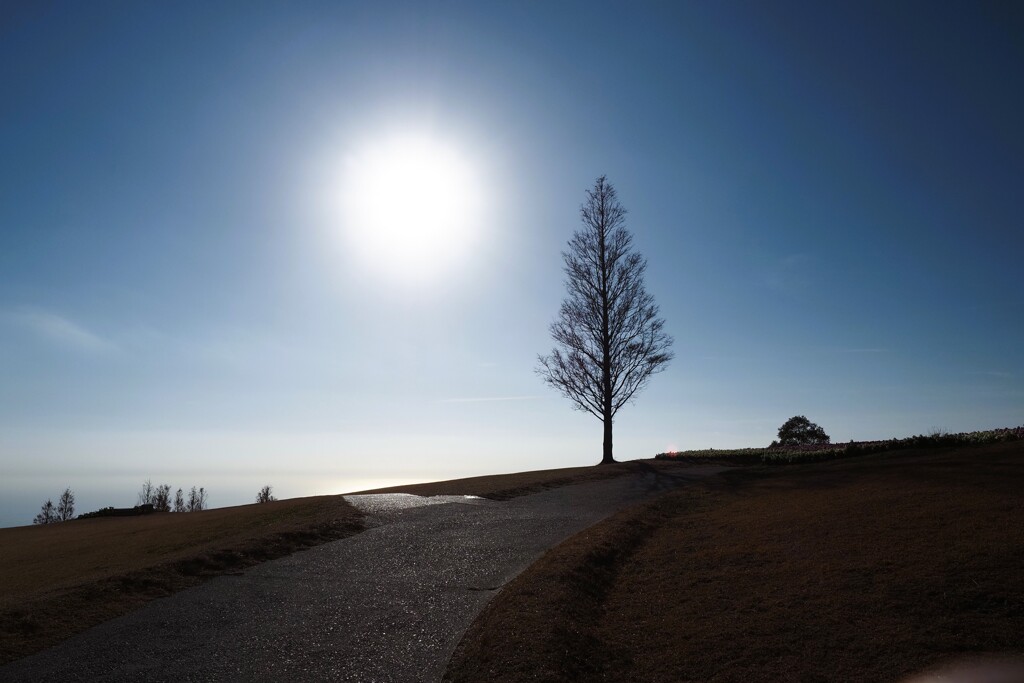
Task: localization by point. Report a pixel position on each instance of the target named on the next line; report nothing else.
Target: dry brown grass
(506, 486)
(855, 570)
(59, 579)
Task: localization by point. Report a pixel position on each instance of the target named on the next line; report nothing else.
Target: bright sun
(412, 206)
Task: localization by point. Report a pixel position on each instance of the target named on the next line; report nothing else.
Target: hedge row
(816, 452)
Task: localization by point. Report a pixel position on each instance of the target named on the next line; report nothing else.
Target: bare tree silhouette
(197, 499)
(265, 495)
(610, 336)
(146, 494)
(157, 496)
(47, 515)
(162, 498)
(66, 506)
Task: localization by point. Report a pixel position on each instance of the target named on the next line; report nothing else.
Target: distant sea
(22, 496)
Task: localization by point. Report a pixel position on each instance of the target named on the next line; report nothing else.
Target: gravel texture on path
(388, 604)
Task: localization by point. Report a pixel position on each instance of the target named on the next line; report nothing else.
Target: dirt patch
(864, 569)
(60, 579)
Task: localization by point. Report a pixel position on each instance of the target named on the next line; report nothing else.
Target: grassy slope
(505, 486)
(861, 569)
(57, 580)
(60, 579)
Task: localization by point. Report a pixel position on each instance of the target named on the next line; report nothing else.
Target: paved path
(388, 604)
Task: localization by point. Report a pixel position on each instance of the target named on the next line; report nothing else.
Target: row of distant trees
(157, 496)
(160, 498)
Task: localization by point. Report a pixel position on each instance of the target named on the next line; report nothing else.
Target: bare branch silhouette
(66, 506)
(265, 494)
(610, 338)
(47, 515)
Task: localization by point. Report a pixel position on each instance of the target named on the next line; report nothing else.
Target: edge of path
(552, 621)
(514, 637)
(34, 622)
(40, 619)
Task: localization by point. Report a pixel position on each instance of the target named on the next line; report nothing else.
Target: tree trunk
(606, 337)
(606, 457)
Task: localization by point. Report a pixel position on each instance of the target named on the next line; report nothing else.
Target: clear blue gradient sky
(830, 200)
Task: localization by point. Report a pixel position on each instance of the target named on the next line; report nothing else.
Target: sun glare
(411, 206)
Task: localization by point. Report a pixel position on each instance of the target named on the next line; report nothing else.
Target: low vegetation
(815, 452)
(866, 569)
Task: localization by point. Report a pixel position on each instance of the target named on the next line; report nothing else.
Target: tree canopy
(798, 430)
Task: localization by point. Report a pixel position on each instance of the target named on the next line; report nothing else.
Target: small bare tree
(197, 499)
(264, 496)
(146, 494)
(66, 506)
(610, 336)
(162, 498)
(179, 502)
(47, 515)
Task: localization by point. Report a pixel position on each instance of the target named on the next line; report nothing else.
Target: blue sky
(829, 199)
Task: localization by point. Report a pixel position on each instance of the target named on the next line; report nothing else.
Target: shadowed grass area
(59, 579)
(863, 569)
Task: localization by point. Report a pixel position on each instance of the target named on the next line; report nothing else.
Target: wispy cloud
(994, 373)
(58, 330)
(488, 399)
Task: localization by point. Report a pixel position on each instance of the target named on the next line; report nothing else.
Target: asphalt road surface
(388, 604)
